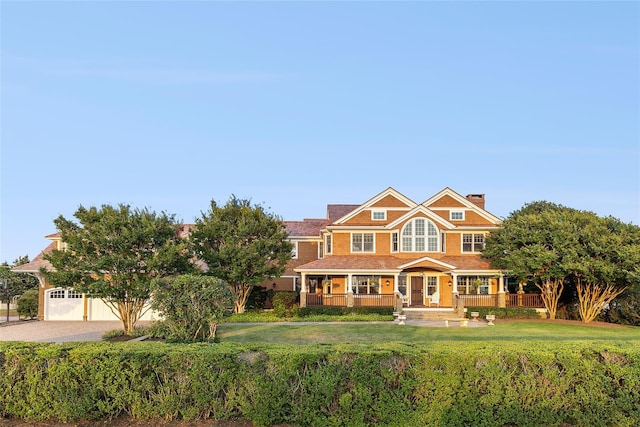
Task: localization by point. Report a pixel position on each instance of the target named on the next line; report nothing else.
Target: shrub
(505, 313)
(28, 304)
(343, 311)
(323, 385)
(283, 303)
(191, 307)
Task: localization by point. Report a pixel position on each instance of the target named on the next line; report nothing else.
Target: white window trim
(384, 215)
(451, 218)
(397, 234)
(363, 251)
(426, 236)
(328, 248)
(473, 238)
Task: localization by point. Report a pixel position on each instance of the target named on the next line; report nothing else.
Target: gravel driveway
(56, 331)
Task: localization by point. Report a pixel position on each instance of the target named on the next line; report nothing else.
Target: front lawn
(502, 332)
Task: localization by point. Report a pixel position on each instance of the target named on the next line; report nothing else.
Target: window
(378, 215)
(456, 215)
(394, 242)
(74, 294)
(402, 284)
(443, 241)
(367, 284)
(320, 250)
(420, 235)
(294, 251)
(432, 284)
(472, 243)
(473, 285)
(362, 242)
(58, 293)
(328, 243)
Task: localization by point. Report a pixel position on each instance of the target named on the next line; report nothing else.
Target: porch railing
(340, 300)
(373, 300)
(479, 300)
(337, 300)
(525, 300)
(512, 300)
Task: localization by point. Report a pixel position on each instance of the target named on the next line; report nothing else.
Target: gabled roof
(462, 200)
(37, 263)
(369, 203)
(335, 212)
(425, 211)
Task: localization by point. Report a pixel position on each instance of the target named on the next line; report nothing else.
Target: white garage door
(98, 310)
(63, 304)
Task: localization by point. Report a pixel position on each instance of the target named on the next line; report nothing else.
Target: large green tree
(241, 244)
(114, 253)
(552, 245)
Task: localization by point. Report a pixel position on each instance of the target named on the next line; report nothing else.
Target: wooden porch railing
(373, 300)
(525, 300)
(340, 300)
(479, 300)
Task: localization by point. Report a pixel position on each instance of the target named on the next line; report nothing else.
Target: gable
(390, 201)
(446, 201)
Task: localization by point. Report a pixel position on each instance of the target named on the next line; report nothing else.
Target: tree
(115, 253)
(28, 304)
(241, 244)
(534, 244)
(191, 306)
(17, 283)
(553, 246)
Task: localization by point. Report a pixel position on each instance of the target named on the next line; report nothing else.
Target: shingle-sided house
(392, 251)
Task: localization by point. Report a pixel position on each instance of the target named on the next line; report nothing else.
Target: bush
(324, 385)
(343, 311)
(28, 304)
(191, 307)
(258, 297)
(505, 313)
(284, 302)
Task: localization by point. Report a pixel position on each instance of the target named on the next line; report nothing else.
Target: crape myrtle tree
(115, 253)
(553, 246)
(534, 244)
(241, 244)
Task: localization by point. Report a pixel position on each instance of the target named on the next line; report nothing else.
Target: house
(388, 251)
(391, 251)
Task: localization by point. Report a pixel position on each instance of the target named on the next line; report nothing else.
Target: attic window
(379, 215)
(456, 215)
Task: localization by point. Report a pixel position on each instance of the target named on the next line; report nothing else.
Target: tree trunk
(550, 292)
(241, 291)
(593, 298)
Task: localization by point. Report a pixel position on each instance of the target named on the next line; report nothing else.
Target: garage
(63, 304)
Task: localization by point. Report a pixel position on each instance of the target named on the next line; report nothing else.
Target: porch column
(397, 306)
(455, 284)
(396, 280)
(502, 298)
(303, 290)
(349, 290)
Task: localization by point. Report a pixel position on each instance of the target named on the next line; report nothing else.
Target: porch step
(429, 313)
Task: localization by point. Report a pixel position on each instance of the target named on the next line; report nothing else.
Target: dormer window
(420, 235)
(456, 215)
(378, 215)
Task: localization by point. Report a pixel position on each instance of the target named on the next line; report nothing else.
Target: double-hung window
(472, 243)
(362, 242)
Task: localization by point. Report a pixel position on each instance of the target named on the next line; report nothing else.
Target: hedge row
(505, 313)
(323, 385)
(343, 311)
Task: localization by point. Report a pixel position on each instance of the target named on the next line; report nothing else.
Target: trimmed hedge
(505, 313)
(324, 385)
(343, 311)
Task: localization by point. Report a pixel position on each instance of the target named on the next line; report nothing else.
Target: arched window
(419, 235)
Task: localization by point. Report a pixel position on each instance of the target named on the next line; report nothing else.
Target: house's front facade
(393, 251)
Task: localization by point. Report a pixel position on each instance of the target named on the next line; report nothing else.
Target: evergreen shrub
(391, 384)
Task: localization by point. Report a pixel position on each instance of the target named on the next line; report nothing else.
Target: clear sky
(168, 105)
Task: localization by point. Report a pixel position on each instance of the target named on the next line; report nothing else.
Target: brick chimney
(476, 199)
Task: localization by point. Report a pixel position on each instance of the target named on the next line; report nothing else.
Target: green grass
(536, 333)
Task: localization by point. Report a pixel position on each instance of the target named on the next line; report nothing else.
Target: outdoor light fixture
(387, 282)
(450, 283)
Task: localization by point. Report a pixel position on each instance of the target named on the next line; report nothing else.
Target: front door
(417, 292)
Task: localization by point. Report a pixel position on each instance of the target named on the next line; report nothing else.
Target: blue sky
(295, 105)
